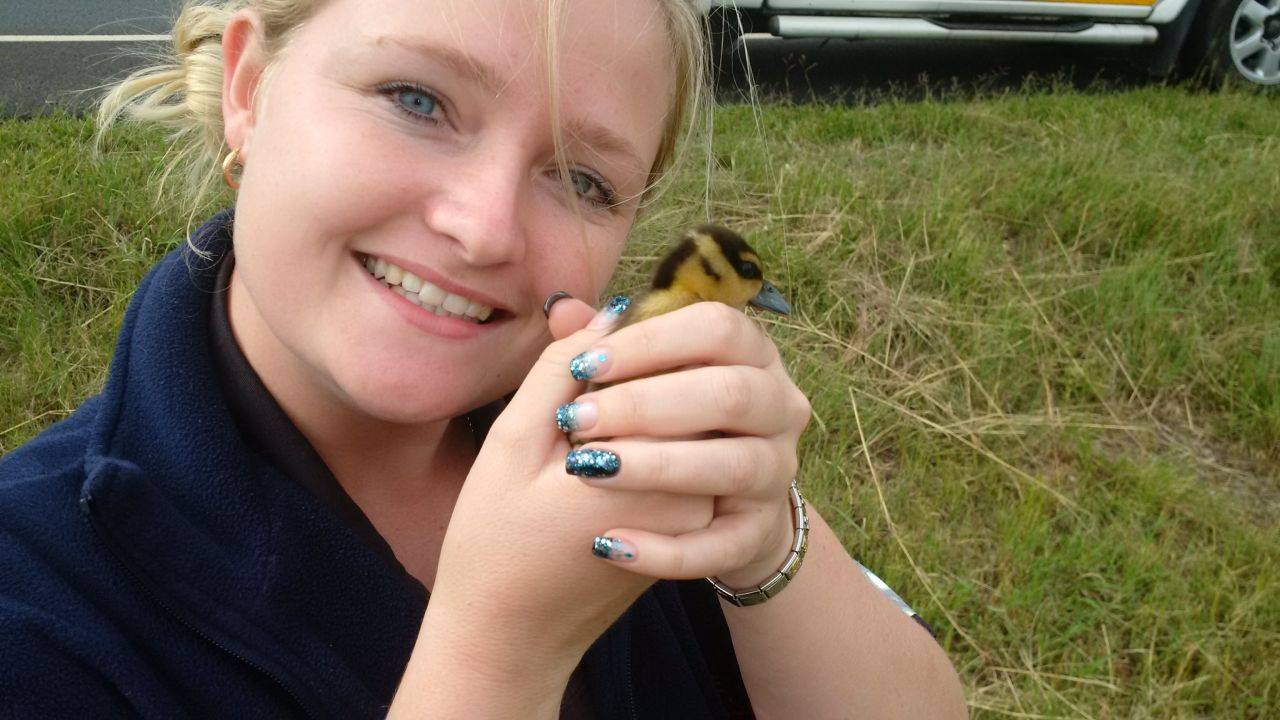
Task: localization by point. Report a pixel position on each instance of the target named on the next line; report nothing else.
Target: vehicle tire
(1234, 43)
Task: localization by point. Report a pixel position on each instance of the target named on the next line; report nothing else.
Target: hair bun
(196, 25)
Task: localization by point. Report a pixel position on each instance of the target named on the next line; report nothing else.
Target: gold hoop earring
(232, 158)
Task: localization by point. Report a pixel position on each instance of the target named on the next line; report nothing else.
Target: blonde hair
(183, 91)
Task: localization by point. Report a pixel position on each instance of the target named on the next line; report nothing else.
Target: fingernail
(612, 548)
(610, 313)
(552, 299)
(592, 463)
(589, 364)
(576, 416)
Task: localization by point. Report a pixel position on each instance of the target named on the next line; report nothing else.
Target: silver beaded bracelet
(772, 586)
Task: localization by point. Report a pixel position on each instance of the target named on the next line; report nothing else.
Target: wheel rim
(1255, 41)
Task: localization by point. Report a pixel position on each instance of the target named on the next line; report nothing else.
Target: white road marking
(82, 38)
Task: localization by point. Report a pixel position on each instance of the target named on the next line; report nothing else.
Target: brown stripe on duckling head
(731, 244)
(710, 271)
(666, 273)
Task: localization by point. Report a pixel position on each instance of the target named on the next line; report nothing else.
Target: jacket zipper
(86, 506)
(631, 683)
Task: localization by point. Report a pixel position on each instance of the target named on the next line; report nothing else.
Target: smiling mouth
(428, 296)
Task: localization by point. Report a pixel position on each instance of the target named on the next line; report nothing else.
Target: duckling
(709, 263)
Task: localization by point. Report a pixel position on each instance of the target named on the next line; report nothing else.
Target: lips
(436, 277)
(438, 298)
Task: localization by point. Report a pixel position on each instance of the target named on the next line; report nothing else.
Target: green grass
(1041, 334)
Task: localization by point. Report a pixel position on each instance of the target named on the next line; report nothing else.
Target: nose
(478, 205)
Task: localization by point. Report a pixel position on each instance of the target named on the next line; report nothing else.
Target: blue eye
(584, 182)
(414, 101)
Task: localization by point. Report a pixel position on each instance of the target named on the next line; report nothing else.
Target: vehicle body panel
(1164, 10)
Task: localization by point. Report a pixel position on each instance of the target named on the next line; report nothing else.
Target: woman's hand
(518, 596)
(721, 419)
(516, 574)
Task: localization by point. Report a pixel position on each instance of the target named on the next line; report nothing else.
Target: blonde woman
(290, 456)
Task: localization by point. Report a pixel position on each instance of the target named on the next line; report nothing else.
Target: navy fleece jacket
(152, 564)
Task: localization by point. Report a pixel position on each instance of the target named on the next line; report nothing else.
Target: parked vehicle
(1210, 41)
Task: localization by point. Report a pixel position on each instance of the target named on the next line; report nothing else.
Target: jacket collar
(267, 430)
(218, 535)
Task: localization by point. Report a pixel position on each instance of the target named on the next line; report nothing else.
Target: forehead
(614, 59)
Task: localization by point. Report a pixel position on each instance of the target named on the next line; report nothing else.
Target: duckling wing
(654, 303)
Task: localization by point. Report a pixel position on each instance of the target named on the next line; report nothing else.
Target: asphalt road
(74, 17)
(39, 72)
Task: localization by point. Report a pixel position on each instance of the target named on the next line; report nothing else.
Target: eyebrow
(598, 137)
(459, 62)
(602, 139)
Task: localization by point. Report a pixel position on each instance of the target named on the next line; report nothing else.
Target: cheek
(569, 253)
(341, 170)
(561, 259)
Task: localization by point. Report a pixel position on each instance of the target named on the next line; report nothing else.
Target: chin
(409, 408)
(412, 394)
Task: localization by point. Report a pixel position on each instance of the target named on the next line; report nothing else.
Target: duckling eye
(749, 270)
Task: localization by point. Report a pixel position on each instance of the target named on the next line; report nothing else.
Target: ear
(242, 66)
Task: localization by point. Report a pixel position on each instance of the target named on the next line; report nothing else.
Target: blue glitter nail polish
(574, 416)
(587, 365)
(618, 304)
(612, 548)
(592, 463)
(567, 417)
(609, 314)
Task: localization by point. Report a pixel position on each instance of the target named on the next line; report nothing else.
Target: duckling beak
(770, 299)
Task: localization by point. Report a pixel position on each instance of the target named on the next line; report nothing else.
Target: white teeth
(478, 311)
(431, 298)
(411, 282)
(455, 303)
(431, 294)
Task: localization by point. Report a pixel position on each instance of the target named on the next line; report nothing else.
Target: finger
(745, 467)
(568, 316)
(729, 542)
(705, 333)
(549, 382)
(738, 399)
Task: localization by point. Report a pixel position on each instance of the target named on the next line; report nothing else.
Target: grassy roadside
(1041, 334)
